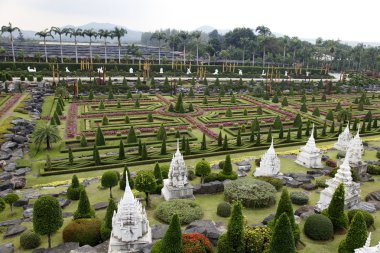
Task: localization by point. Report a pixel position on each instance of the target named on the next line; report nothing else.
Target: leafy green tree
(71, 156)
(235, 230)
(46, 133)
(121, 151)
(282, 238)
(202, 169)
(99, 139)
(2, 205)
(225, 143)
(227, 168)
(109, 179)
(146, 182)
(84, 209)
(356, 236)
(96, 156)
(106, 228)
(10, 199)
(47, 216)
(335, 211)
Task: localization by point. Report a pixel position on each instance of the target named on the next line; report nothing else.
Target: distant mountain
(132, 35)
(208, 29)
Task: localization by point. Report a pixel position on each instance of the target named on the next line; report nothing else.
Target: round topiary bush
(73, 193)
(30, 240)
(83, 231)
(257, 239)
(369, 220)
(318, 227)
(187, 211)
(299, 198)
(250, 192)
(276, 182)
(224, 209)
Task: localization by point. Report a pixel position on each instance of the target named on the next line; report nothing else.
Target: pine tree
(299, 133)
(307, 130)
(179, 108)
(335, 211)
(203, 144)
(105, 120)
(161, 134)
(323, 98)
(71, 156)
(163, 147)
(206, 92)
(172, 240)
(121, 150)
(222, 92)
(269, 136)
(177, 135)
(259, 110)
(275, 99)
(191, 108)
(303, 99)
(252, 136)
(285, 206)
(281, 133)
(313, 98)
(56, 119)
(338, 107)
(220, 139)
(157, 174)
(297, 121)
(100, 140)
(282, 238)
(183, 143)
(316, 112)
(91, 95)
(204, 101)
(171, 108)
(303, 108)
(356, 236)
(150, 117)
(238, 139)
(83, 141)
(277, 124)
(126, 119)
(255, 125)
(192, 81)
(137, 104)
(288, 136)
(324, 129)
(118, 104)
(110, 94)
(332, 128)
(375, 123)
(233, 99)
(330, 115)
(84, 209)
(355, 125)
(96, 156)
(258, 139)
(129, 94)
(101, 105)
(187, 149)
(131, 137)
(235, 230)
(106, 227)
(191, 92)
(361, 106)
(362, 128)
(227, 167)
(219, 100)
(245, 112)
(225, 143)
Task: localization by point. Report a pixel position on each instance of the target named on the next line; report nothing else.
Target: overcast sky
(330, 19)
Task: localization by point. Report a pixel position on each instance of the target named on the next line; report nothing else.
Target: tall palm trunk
(173, 58)
(47, 143)
(60, 43)
(264, 56)
(90, 51)
(76, 51)
(159, 52)
(253, 58)
(105, 50)
(46, 59)
(198, 57)
(243, 54)
(184, 54)
(283, 63)
(13, 49)
(119, 54)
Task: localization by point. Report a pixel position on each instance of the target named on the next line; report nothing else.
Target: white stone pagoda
(177, 185)
(351, 189)
(344, 139)
(355, 153)
(130, 225)
(269, 164)
(310, 156)
(367, 247)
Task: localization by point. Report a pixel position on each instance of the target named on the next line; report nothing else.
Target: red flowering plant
(195, 243)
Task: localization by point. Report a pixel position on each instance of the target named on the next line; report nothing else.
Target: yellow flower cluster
(59, 183)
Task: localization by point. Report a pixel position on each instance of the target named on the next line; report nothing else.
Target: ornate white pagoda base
(118, 246)
(170, 192)
(309, 161)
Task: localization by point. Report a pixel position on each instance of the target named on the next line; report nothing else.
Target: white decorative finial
(368, 241)
(312, 132)
(271, 145)
(177, 145)
(126, 179)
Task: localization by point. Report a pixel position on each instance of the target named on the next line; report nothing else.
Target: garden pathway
(6, 110)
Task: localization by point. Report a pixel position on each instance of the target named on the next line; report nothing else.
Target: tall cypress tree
(144, 152)
(179, 105)
(161, 134)
(96, 156)
(183, 144)
(106, 227)
(140, 146)
(187, 149)
(332, 128)
(269, 136)
(324, 129)
(220, 139)
(281, 133)
(252, 137)
(297, 121)
(235, 230)
(227, 167)
(121, 150)
(100, 140)
(356, 236)
(238, 139)
(203, 144)
(84, 209)
(71, 156)
(157, 173)
(225, 143)
(288, 136)
(335, 211)
(131, 137)
(282, 238)
(299, 133)
(172, 241)
(163, 147)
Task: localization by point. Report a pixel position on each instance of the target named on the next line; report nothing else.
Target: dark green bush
(276, 182)
(251, 192)
(30, 240)
(368, 218)
(299, 198)
(340, 154)
(165, 170)
(321, 182)
(224, 209)
(190, 175)
(30, 78)
(187, 211)
(222, 243)
(22, 78)
(319, 227)
(373, 169)
(39, 78)
(83, 231)
(220, 177)
(73, 193)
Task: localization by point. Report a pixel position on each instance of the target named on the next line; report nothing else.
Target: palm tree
(253, 44)
(132, 49)
(44, 34)
(244, 42)
(184, 36)
(105, 34)
(295, 44)
(46, 133)
(10, 29)
(90, 33)
(75, 33)
(60, 32)
(173, 41)
(285, 41)
(197, 36)
(158, 35)
(118, 33)
(264, 33)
